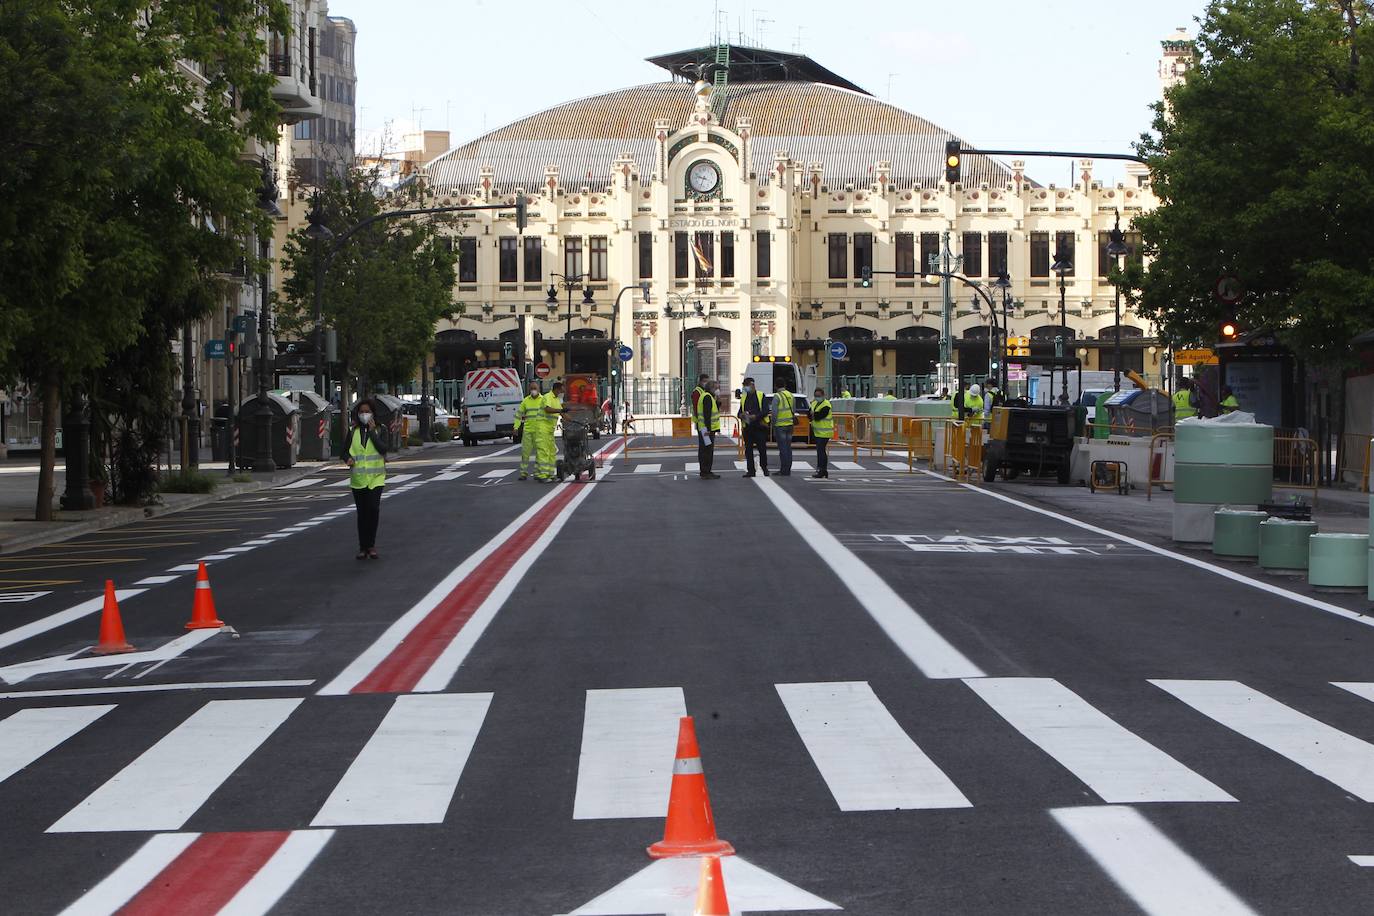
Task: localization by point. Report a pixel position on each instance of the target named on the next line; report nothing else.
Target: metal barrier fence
(672, 427)
(1355, 454)
(964, 450)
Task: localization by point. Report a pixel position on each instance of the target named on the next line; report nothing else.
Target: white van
(490, 400)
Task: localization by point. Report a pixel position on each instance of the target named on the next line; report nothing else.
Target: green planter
(1218, 443)
(1223, 485)
(1283, 544)
(1237, 533)
(1338, 560)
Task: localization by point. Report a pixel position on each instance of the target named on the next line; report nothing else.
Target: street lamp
(267, 202)
(614, 351)
(1003, 283)
(685, 307)
(569, 284)
(1116, 250)
(1062, 267)
(318, 232)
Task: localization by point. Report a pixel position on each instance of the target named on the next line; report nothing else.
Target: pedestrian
(1229, 404)
(889, 396)
(708, 427)
(956, 404)
(943, 395)
(783, 418)
(366, 456)
(822, 431)
(993, 397)
(973, 405)
(696, 392)
(1185, 402)
(627, 419)
(529, 417)
(546, 460)
(608, 416)
(753, 421)
(844, 393)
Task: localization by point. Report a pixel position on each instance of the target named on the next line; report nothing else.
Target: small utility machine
(577, 457)
(1037, 440)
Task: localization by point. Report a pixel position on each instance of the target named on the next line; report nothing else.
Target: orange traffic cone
(690, 830)
(203, 612)
(111, 627)
(711, 890)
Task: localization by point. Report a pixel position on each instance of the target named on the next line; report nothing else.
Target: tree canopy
(1263, 161)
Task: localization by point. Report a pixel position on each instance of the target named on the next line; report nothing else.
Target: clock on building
(703, 176)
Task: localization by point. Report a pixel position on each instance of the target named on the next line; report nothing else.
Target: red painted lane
(207, 875)
(400, 671)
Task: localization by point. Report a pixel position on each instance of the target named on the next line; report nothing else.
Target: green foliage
(188, 482)
(414, 440)
(242, 478)
(1265, 170)
(441, 432)
(386, 286)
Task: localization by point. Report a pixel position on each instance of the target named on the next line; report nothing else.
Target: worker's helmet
(975, 390)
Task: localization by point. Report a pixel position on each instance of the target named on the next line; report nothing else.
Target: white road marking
(693, 467)
(399, 478)
(262, 891)
(341, 483)
(847, 465)
(211, 558)
(20, 597)
(670, 886)
(301, 484)
(648, 468)
(243, 548)
(1117, 764)
(409, 768)
(278, 535)
(917, 639)
(868, 762)
(1362, 861)
(137, 872)
(628, 740)
(150, 688)
(15, 674)
(895, 465)
(31, 733)
(171, 780)
(496, 475)
(449, 475)
(741, 465)
(185, 567)
(1359, 688)
(1331, 754)
(803, 465)
(158, 580)
(1161, 878)
(62, 618)
(257, 543)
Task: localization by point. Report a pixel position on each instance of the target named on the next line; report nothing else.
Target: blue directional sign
(215, 349)
(838, 350)
(625, 353)
(243, 324)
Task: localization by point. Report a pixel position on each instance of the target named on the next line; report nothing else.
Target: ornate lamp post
(1116, 250)
(569, 284)
(262, 417)
(1062, 267)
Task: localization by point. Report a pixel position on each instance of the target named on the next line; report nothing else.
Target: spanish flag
(704, 267)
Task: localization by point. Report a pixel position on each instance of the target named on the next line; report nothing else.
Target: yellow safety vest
(846, 394)
(1230, 404)
(973, 407)
(369, 467)
(554, 401)
(1183, 407)
(701, 413)
(822, 429)
(784, 407)
(531, 410)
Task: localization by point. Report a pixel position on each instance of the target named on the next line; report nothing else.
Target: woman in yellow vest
(366, 456)
(822, 431)
(528, 416)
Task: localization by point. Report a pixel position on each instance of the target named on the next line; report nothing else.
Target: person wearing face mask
(753, 421)
(529, 420)
(366, 456)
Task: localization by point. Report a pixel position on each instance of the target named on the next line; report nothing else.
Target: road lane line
(498, 474)
(1117, 764)
(157, 580)
(31, 733)
(276, 877)
(1161, 878)
(918, 640)
(868, 762)
(847, 466)
(62, 618)
(1330, 753)
(895, 465)
(1363, 689)
(171, 780)
(449, 475)
(150, 688)
(629, 736)
(1362, 861)
(437, 632)
(408, 770)
(648, 468)
(214, 557)
(133, 875)
(301, 484)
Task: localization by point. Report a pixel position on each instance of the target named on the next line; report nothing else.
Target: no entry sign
(542, 370)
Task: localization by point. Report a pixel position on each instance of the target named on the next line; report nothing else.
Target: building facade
(323, 147)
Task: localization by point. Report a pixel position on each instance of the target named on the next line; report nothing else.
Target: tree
(125, 190)
(385, 286)
(1263, 161)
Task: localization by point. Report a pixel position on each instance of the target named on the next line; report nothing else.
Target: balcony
(292, 91)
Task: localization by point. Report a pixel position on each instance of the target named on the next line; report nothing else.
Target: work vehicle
(577, 456)
(1036, 440)
(580, 396)
(490, 400)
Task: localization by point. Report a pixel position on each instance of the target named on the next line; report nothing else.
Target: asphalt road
(911, 697)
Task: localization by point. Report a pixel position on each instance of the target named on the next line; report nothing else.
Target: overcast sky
(1055, 74)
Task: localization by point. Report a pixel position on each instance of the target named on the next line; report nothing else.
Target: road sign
(838, 350)
(243, 324)
(1229, 289)
(215, 349)
(1201, 357)
(1016, 375)
(625, 353)
(542, 370)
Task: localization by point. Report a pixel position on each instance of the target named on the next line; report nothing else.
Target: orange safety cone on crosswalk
(711, 900)
(203, 612)
(690, 829)
(112, 639)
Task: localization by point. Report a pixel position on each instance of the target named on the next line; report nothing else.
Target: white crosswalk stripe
(628, 740)
(847, 466)
(648, 468)
(30, 733)
(300, 484)
(498, 474)
(895, 465)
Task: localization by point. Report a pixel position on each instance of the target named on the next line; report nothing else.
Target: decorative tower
(1178, 58)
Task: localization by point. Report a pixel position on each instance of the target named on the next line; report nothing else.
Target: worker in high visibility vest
(783, 418)
(528, 419)
(707, 420)
(696, 392)
(544, 456)
(846, 393)
(956, 403)
(822, 431)
(1185, 402)
(973, 405)
(1229, 404)
(366, 456)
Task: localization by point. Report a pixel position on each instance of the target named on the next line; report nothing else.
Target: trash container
(316, 417)
(386, 412)
(285, 431)
(219, 432)
(1142, 412)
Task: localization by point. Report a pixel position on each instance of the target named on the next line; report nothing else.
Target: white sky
(1054, 74)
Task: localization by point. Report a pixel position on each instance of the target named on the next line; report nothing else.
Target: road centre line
(152, 688)
(914, 637)
(628, 740)
(62, 618)
(1161, 878)
(1165, 552)
(31, 733)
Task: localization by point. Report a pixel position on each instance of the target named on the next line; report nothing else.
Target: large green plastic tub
(940, 409)
(1221, 443)
(1236, 533)
(1338, 560)
(1283, 544)
(1223, 485)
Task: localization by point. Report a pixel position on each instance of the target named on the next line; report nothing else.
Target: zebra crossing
(656, 464)
(408, 768)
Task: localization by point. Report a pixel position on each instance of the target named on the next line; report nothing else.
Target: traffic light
(866, 277)
(953, 160)
(521, 212)
(1228, 330)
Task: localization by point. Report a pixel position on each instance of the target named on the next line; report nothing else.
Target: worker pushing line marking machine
(577, 459)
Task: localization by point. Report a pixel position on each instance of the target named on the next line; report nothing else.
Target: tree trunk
(48, 451)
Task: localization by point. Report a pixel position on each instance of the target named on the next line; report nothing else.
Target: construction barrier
(1158, 463)
(1295, 464)
(641, 438)
(964, 450)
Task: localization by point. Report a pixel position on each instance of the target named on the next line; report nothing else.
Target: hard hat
(975, 390)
